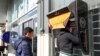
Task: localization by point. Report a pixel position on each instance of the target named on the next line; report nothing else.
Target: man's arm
(73, 38)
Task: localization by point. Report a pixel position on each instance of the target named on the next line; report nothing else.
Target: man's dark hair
(28, 29)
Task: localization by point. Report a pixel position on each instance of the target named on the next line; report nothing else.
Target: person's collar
(27, 38)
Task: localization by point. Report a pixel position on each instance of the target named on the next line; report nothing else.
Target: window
(26, 5)
(25, 24)
(13, 15)
(20, 8)
(56, 4)
(31, 23)
(12, 12)
(15, 9)
(31, 4)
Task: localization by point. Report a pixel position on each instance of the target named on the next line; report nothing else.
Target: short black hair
(28, 29)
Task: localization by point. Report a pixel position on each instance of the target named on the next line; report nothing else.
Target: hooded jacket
(65, 40)
(23, 47)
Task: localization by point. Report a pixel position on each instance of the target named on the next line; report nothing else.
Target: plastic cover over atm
(59, 18)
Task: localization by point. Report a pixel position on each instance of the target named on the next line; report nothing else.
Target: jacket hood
(17, 43)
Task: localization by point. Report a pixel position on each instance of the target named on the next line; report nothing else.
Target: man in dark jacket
(23, 44)
(65, 41)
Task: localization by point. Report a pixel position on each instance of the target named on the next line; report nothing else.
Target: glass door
(32, 23)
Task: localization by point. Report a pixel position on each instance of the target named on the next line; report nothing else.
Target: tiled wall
(95, 22)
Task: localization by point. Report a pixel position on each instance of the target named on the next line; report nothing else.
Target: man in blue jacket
(23, 44)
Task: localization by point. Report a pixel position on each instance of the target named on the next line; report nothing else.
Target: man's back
(23, 47)
(65, 41)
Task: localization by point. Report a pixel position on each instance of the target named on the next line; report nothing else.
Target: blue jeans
(64, 54)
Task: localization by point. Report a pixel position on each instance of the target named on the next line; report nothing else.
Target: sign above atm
(59, 18)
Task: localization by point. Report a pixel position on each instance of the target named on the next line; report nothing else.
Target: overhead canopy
(59, 18)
